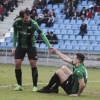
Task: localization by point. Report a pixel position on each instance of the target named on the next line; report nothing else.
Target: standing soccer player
(72, 83)
(24, 28)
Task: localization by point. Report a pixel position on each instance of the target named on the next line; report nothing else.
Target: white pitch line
(6, 86)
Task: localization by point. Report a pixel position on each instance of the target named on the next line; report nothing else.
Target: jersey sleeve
(14, 34)
(38, 29)
(36, 26)
(79, 74)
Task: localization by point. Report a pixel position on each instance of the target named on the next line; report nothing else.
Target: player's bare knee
(18, 65)
(32, 64)
(58, 71)
(63, 67)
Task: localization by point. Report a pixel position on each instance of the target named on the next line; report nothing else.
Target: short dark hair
(22, 12)
(80, 56)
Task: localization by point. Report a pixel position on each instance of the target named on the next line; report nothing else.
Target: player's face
(75, 60)
(26, 18)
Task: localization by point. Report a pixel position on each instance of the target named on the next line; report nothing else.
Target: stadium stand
(67, 30)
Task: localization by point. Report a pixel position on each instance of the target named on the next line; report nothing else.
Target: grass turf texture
(7, 77)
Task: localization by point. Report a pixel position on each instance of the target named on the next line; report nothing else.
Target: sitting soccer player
(72, 83)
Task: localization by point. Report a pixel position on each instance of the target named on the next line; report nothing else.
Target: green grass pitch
(7, 83)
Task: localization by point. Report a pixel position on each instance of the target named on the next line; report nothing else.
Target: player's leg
(19, 55)
(59, 77)
(67, 73)
(47, 89)
(66, 70)
(32, 55)
(34, 74)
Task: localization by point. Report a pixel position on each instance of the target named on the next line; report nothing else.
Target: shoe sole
(18, 90)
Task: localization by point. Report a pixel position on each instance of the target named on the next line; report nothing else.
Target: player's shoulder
(17, 20)
(33, 21)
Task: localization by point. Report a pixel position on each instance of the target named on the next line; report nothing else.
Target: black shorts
(68, 84)
(31, 52)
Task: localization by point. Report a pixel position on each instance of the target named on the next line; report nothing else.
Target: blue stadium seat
(78, 38)
(97, 33)
(61, 42)
(84, 3)
(85, 38)
(43, 25)
(61, 26)
(79, 7)
(55, 26)
(56, 46)
(80, 43)
(8, 39)
(63, 17)
(59, 37)
(66, 22)
(58, 16)
(37, 45)
(50, 29)
(3, 45)
(79, 22)
(96, 49)
(44, 30)
(76, 47)
(92, 22)
(69, 47)
(88, 27)
(57, 31)
(94, 43)
(55, 6)
(87, 43)
(67, 42)
(68, 27)
(83, 48)
(61, 6)
(65, 37)
(60, 21)
(76, 32)
(56, 11)
(98, 38)
(92, 38)
(62, 47)
(86, 21)
(38, 11)
(69, 32)
(94, 28)
(72, 22)
(90, 48)
(9, 45)
(89, 33)
(90, 3)
(96, 18)
(98, 28)
(49, 6)
(74, 27)
(63, 32)
(42, 46)
(73, 43)
(72, 37)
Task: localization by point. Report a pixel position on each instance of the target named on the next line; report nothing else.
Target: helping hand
(51, 50)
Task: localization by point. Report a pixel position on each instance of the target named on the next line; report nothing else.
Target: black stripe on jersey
(29, 35)
(19, 27)
(39, 31)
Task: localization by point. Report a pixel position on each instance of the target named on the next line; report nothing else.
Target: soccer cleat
(52, 90)
(18, 88)
(34, 89)
(44, 90)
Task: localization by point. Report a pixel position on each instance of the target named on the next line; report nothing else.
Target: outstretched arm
(63, 56)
